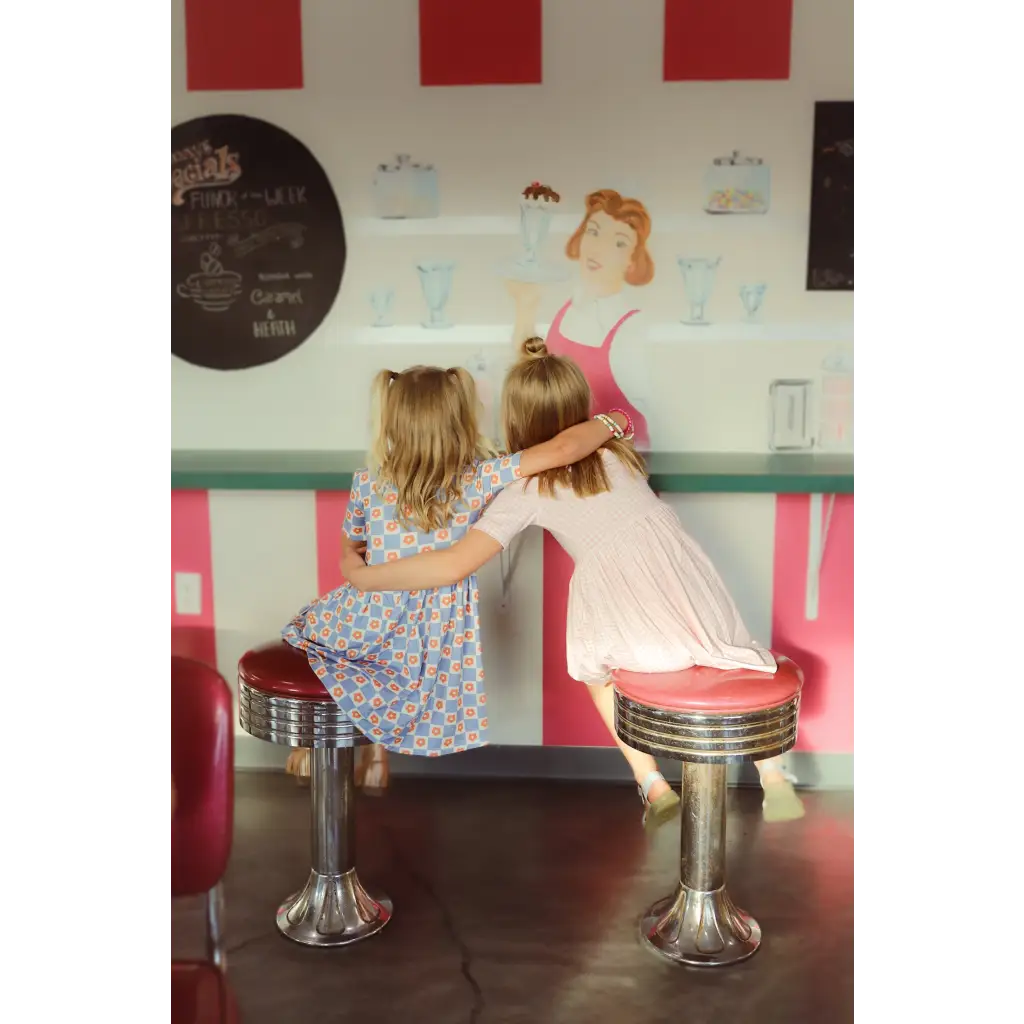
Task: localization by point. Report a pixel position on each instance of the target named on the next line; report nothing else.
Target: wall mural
(257, 242)
(599, 324)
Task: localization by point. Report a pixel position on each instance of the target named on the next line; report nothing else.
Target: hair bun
(534, 348)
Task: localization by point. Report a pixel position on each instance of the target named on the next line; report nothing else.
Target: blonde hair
(425, 438)
(544, 395)
(627, 211)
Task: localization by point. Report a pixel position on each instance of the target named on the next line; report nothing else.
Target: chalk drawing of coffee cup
(212, 292)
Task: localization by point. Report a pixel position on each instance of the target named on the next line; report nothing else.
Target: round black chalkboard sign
(257, 242)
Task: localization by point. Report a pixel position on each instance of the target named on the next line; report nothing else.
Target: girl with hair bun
(643, 597)
(406, 668)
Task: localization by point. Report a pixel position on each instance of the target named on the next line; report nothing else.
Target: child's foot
(372, 770)
(298, 765)
(661, 804)
(781, 802)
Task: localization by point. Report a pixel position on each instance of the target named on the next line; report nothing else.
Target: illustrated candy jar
(737, 184)
(405, 189)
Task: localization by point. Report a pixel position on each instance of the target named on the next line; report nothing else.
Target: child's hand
(352, 561)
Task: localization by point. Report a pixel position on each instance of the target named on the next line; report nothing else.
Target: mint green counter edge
(671, 472)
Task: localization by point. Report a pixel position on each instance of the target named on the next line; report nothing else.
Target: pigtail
(378, 402)
(471, 400)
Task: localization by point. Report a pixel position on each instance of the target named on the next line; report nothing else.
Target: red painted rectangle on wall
(243, 44)
(727, 40)
(330, 518)
(480, 42)
(193, 636)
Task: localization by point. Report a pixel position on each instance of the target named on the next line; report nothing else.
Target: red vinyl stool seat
(710, 690)
(706, 718)
(280, 699)
(281, 670)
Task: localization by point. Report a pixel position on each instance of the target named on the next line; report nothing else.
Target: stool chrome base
(332, 910)
(701, 929)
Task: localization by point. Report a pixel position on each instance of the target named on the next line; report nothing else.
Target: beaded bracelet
(627, 434)
(612, 426)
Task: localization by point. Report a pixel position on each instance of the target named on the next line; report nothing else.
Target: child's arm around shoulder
(569, 446)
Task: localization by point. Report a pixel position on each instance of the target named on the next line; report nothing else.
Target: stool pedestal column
(333, 909)
(700, 925)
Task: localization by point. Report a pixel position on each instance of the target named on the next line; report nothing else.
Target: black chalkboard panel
(257, 242)
(830, 249)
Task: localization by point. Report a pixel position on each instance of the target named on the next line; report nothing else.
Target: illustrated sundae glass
(752, 295)
(537, 206)
(382, 299)
(436, 282)
(698, 280)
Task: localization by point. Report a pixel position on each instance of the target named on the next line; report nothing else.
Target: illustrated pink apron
(570, 718)
(596, 366)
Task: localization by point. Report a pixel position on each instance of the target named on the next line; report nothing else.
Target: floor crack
(231, 950)
(466, 957)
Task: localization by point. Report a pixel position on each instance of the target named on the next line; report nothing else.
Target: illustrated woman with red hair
(600, 328)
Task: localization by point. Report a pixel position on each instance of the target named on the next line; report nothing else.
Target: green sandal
(663, 809)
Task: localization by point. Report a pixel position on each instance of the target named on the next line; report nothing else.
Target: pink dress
(596, 367)
(643, 595)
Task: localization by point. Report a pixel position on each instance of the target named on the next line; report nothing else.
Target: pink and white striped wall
(262, 555)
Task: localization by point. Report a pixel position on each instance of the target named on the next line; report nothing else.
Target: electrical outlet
(188, 593)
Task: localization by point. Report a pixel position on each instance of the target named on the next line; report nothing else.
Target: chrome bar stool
(280, 699)
(706, 718)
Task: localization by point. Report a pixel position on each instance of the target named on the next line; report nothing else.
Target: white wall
(602, 118)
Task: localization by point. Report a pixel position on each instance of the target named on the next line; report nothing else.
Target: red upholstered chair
(280, 699)
(707, 719)
(203, 773)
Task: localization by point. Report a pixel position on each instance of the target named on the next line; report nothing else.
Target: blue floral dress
(406, 667)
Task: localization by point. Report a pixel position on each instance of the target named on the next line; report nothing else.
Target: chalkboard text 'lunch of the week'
(227, 198)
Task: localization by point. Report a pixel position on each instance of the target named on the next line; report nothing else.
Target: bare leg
(372, 773)
(298, 765)
(781, 802)
(642, 764)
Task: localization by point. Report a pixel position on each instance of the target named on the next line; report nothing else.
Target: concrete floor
(517, 902)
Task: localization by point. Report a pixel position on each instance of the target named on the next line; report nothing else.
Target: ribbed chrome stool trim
(295, 722)
(707, 739)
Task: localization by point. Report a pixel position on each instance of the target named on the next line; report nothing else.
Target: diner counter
(670, 472)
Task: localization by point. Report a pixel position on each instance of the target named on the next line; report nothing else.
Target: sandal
(663, 809)
(781, 802)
